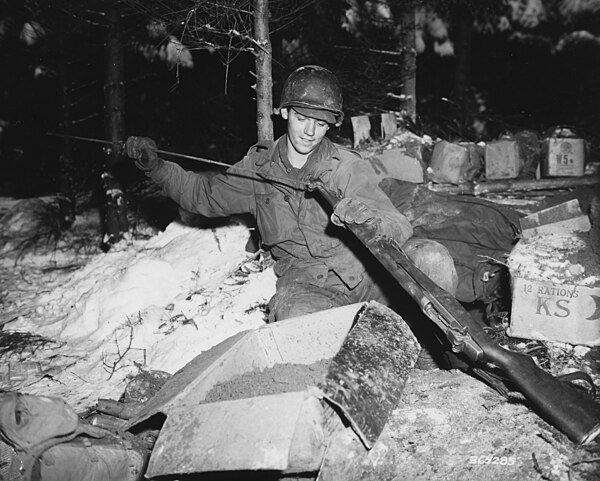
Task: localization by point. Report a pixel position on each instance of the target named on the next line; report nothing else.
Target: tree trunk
(264, 79)
(408, 69)
(66, 165)
(115, 221)
(462, 75)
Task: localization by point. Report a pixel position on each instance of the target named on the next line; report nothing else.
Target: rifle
(562, 405)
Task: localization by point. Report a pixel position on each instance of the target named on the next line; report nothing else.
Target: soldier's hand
(143, 151)
(351, 211)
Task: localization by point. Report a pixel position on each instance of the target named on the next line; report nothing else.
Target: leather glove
(143, 151)
(351, 211)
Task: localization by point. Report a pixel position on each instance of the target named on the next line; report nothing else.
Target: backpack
(43, 439)
(478, 233)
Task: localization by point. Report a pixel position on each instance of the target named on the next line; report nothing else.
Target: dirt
(277, 379)
(144, 386)
(449, 425)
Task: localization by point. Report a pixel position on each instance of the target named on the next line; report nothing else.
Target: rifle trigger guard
(458, 336)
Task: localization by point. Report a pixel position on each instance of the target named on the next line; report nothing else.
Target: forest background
(188, 74)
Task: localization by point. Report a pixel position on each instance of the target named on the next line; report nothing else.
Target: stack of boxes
(560, 154)
(555, 283)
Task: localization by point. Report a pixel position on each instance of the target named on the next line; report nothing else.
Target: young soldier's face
(304, 133)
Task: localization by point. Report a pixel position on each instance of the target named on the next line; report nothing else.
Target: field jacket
(294, 224)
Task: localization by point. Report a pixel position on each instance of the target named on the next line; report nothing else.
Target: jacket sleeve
(223, 194)
(356, 181)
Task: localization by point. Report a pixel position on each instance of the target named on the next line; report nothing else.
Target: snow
(547, 257)
(150, 303)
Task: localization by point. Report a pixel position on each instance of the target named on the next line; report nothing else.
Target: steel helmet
(314, 91)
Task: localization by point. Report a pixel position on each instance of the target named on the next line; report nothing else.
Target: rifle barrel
(294, 184)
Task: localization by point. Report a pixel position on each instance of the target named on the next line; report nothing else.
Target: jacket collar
(267, 151)
(320, 159)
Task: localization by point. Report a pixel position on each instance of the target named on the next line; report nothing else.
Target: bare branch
(112, 367)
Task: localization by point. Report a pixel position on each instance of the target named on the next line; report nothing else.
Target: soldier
(318, 263)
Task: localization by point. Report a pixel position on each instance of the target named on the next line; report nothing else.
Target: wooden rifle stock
(565, 407)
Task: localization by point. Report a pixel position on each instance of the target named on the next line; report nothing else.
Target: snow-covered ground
(82, 322)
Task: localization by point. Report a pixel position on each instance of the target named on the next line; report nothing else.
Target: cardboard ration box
(454, 163)
(563, 157)
(395, 163)
(502, 160)
(261, 400)
(280, 432)
(548, 311)
(366, 128)
(555, 290)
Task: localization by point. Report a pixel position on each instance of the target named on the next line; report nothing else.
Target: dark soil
(144, 386)
(277, 379)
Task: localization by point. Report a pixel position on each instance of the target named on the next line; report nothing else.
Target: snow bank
(151, 304)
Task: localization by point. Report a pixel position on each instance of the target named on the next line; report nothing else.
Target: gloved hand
(351, 211)
(143, 151)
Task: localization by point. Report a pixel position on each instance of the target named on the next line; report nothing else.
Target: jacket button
(268, 200)
(286, 198)
(320, 276)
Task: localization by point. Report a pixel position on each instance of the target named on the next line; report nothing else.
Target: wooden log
(518, 185)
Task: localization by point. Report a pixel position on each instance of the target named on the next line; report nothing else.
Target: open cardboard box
(282, 432)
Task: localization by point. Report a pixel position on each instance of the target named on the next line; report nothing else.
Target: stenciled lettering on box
(555, 312)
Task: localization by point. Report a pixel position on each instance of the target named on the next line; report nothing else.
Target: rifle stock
(562, 405)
